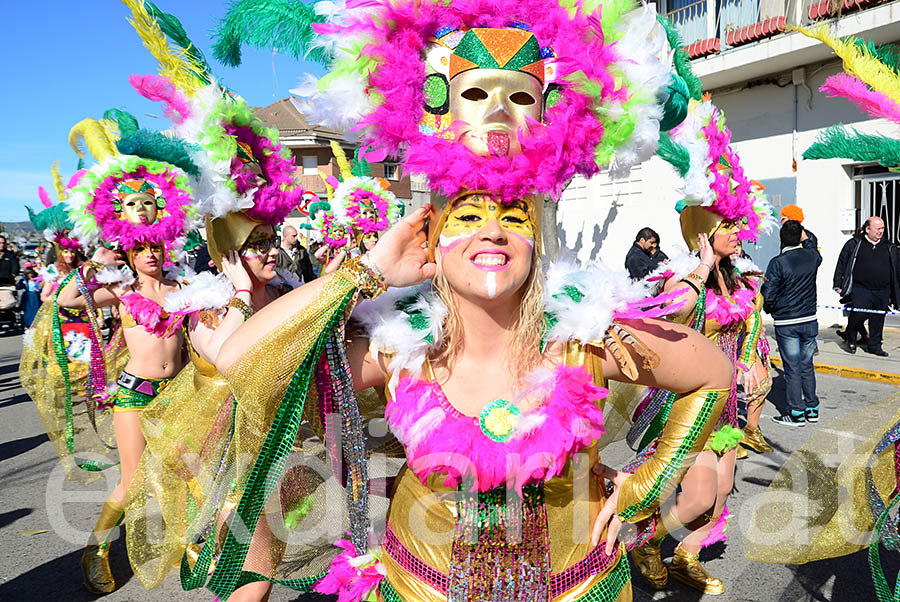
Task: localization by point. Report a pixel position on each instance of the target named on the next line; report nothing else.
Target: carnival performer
(144, 207)
(64, 354)
(494, 383)
(849, 503)
(246, 184)
(721, 207)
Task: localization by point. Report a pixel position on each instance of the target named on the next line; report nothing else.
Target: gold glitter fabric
(187, 431)
(817, 506)
(423, 517)
(42, 379)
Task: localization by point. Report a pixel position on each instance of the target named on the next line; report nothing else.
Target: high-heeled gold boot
(753, 438)
(98, 577)
(686, 567)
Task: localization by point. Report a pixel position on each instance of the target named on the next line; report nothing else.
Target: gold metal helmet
(227, 233)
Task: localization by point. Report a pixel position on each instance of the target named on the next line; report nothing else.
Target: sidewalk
(833, 357)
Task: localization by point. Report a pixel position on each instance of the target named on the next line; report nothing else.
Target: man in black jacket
(9, 264)
(293, 257)
(789, 294)
(866, 278)
(644, 254)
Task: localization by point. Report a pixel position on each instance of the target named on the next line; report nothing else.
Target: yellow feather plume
(328, 187)
(58, 180)
(858, 61)
(342, 161)
(91, 133)
(174, 64)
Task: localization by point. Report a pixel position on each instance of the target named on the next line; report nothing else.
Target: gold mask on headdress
(494, 105)
(139, 208)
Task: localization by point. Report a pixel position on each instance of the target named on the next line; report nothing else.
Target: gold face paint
(139, 208)
(472, 214)
(495, 104)
(141, 249)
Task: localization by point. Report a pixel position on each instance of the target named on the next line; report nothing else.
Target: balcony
(710, 27)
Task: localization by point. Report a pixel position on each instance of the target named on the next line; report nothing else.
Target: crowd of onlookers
(867, 278)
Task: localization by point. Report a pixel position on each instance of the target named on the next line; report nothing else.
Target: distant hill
(23, 228)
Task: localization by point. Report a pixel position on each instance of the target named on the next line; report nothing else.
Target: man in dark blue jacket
(789, 294)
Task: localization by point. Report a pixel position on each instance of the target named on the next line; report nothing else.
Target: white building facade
(768, 90)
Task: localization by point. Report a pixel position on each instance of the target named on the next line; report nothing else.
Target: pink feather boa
(730, 309)
(171, 219)
(282, 192)
(366, 224)
(875, 103)
(351, 577)
(734, 200)
(439, 439)
(552, 153)
(149, 314)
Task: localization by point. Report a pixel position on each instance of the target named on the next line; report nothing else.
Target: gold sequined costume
(306, 506)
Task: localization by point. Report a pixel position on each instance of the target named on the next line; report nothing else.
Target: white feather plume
(204, 291)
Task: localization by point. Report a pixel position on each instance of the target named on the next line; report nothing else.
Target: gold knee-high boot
(98, 577)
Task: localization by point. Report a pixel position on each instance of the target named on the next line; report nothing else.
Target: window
(310, 165)
(391, 171)
(876, 191)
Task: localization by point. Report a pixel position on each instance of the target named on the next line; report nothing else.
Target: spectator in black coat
(789, 294)
(866, 278)
(9, 264)
(644, 254)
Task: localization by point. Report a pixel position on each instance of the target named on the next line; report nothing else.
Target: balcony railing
(711, 26)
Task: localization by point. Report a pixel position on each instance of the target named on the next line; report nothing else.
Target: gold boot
(686, 567)
(649, 563)
(753, 438)
(741, 452)
(98, 577)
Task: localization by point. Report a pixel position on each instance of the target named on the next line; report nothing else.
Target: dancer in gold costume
(723, 303)
(142, 205)
(495, 373)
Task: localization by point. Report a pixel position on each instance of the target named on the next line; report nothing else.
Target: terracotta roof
(284, 117)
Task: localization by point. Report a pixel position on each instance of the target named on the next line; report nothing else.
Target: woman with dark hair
(721, 300)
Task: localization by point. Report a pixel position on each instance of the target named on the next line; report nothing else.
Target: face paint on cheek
(527, 239)
(251, 254)
(491, 284)
(447, 241)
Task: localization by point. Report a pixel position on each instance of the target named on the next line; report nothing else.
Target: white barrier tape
(860, 309)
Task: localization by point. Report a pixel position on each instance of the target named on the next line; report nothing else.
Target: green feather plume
(675, 154)
(127, 122)
(174, 30)
(726, 437)
(682, 60)
(159, 147)
(52, 218)
(889, 54)
(285, 25)
(838, 142)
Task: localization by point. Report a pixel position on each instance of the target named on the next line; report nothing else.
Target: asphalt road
(45, 566)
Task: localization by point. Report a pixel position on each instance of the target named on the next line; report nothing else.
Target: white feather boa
(205, 290)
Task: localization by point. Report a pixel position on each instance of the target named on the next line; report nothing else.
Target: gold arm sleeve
(265, 370)
(691, 420)
(753, 330)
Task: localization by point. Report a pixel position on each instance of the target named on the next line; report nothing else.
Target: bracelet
(696, 277)
(92, 264)
(692, 285)
(242, 307)
(708, 267)
(744, 368)
(366, 277)
(243, 290)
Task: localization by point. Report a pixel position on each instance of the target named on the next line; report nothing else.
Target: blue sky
(64, 61)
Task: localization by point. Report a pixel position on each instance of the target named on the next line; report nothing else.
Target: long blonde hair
(524, 351)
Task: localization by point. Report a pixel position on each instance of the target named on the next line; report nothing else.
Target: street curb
(848, 372)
